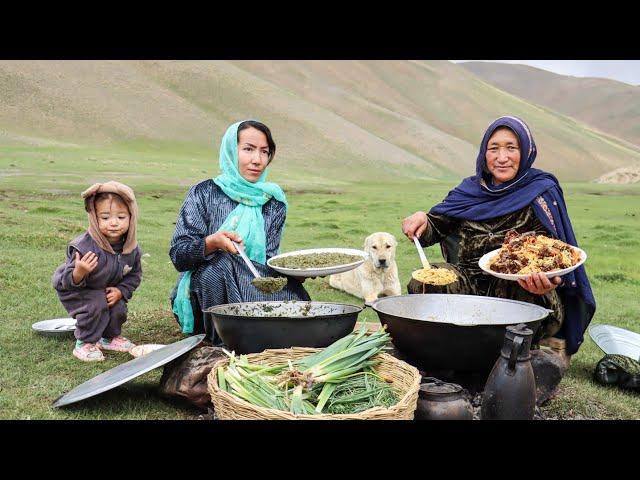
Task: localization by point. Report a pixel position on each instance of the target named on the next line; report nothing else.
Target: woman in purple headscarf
(507, 193)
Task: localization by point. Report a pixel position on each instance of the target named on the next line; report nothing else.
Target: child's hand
(84, 266)
(114, 295)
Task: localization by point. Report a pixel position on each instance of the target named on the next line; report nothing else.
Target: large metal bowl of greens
(255, 326)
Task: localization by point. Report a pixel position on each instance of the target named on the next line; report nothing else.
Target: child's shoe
(88, 352)
(116, 344)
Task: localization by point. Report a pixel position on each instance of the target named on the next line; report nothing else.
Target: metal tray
(128, 371)
(56, 327)
(615, 340)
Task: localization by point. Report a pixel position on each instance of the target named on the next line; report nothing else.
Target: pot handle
(515, 349)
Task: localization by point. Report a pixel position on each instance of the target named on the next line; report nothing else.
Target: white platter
(487, 257)
(56, 327)
(615, 340)
(319, 272)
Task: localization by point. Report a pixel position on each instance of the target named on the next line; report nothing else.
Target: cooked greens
(269, 284)
(315, 260)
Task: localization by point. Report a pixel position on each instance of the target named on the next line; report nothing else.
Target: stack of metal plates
(56, 327)
(616, 340)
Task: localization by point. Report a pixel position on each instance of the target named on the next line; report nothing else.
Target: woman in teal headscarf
(237, 205)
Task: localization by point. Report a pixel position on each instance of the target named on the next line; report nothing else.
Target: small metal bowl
(56, 327)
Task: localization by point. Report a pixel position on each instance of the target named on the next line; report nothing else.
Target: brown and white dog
(377, 276)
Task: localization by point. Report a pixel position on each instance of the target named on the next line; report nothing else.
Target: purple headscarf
(477, 199)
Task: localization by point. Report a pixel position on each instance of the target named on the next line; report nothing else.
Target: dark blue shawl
(477, 199)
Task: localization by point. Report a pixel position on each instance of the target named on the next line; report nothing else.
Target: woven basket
(405, 380)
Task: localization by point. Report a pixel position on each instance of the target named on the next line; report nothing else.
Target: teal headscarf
(246, 219)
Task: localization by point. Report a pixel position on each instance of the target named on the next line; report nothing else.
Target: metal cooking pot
(255, 326)
(443, 332)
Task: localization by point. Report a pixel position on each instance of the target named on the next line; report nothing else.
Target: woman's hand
(114, 295)
(221, 241)
(84, 266)
(415, 225)
(539, 284)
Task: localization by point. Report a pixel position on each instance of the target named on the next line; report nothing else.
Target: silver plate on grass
(128, 371)
(56, 327)
(614, 340)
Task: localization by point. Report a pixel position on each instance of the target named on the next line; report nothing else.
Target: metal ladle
(264, 284)
(423, 257)
(246, 259)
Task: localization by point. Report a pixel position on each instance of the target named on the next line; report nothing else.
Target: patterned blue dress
(221, 277)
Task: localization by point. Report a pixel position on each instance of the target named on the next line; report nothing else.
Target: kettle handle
(435, 380)
(515, 349)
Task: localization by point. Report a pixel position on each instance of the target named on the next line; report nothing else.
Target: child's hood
(127, 195)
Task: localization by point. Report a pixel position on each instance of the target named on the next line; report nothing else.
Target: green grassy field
(41, 210)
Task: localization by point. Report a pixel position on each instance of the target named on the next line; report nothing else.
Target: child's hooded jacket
(119, 265)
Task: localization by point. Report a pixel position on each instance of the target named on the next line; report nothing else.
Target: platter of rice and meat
(527, 253)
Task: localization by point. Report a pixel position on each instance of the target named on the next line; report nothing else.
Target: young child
(102, 271)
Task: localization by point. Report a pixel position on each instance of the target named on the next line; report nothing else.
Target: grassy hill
(334, 121)
(608, 105)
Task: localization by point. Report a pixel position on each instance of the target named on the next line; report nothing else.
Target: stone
(548, 370)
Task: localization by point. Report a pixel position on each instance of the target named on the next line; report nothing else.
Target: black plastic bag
(186, 376)
(618, 370)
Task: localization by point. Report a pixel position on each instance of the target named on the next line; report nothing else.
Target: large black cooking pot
(461, 333)
(255, 326)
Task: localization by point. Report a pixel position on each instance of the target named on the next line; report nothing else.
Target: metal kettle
(510, 390)
(438, 400)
